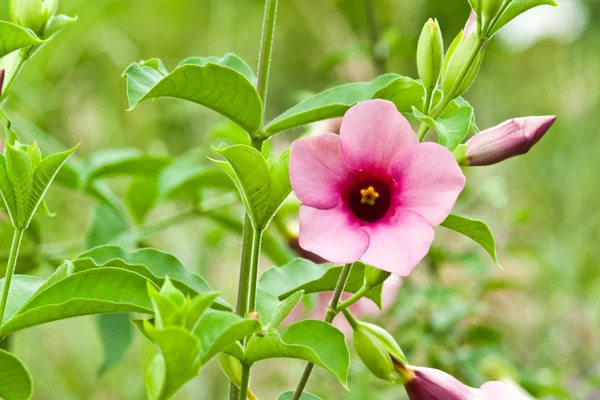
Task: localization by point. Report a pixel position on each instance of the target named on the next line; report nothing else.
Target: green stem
(245, 381)
(256, 244)
(266, 49)
(10, 269)
(331, 313)
(23, 57)
(362, 292)
(350, 318)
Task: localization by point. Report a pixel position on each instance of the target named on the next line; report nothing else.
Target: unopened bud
(432, 384)
(430, 53)
(511, 138)
(33, 14)
(378, 351)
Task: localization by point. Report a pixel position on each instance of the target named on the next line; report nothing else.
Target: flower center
(370, 199)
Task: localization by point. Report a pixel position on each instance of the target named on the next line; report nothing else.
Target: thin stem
(245, 381)
(362, 292)
(331, 313)
(10, 269)
(256, 243)
(373, 33)
(23, 57)
(350, 318)
(266, 49)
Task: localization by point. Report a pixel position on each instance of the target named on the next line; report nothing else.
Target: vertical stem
(266, 49)
(372, 31)
(331, 313)
(256, 242)
(245, 381)
(10, 269)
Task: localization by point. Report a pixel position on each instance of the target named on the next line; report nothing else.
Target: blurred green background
(537, 322)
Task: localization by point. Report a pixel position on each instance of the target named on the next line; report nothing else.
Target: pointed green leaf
(284, 309)
(219, 330)
(20, 175)
(166, 312)
(15, 380)
(7, 192)
(116, 334)
(228, 60)
(43, 176)
(198, 306)
(57, 24)
(176, 364)
(14, 37)
(475, 229)
(114, 162)
(266, 303)
(153, 264)
(248, 169)
(310, 340)
(218, 87)
(108, 227)
(334, 102)
(516, 8)
(289, 395)
(451, 129)
(280, 184)
(95, 291)
(22, 287)
(302, 274)
(141, 196)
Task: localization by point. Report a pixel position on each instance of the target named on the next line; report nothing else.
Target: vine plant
(371, 196)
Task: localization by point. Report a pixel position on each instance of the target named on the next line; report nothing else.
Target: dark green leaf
(112, 162)
(141, 196)
(310, 340)
(108, 226)
(218, 87)
(15, 380)
(475, 229)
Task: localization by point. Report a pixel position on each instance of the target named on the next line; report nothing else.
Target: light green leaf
(113, 162)
(14, 37)
(197, 307)
(310, 340)
(266, 303)
(176, 364)
(153, 264)
(22, 288)
(475, 229)
(516, 8)
(301, 274)
(334, 102)
(43, 176)
(228, 60)
(116, 334)
(15, 380)
(141, 196)
(6, 191)
(249, 171)
(20, 175)
(219, 330)
(289, 395)
(280, 184)
(218, 87)
(451, 129)
(95, 291)
(57, 24)
(167, 312)
(284, 309)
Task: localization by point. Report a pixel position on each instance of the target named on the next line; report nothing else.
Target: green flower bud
(33, 14)
(430, 53)
(379, 351)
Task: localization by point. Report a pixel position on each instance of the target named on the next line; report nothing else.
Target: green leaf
(475, 229)
(57, 24)
(15, 380)
(14, 37)
(334, 102)
(301, 274)
(20, 175)
(266, 303)
(228, 60)
(281, 187)
(116, 334)
(141, 196)
(218, 87)
(95, 291)
(153, 264)
(108, 226)
(6, 191)
(22, 287)
(516, 8)
(249, 171)
(451, 129)
(43, 176)
(176, 364)
(113, 162)
(284, 309)
(197, 307)
(289, 395)
(219, 330)
(310, 340)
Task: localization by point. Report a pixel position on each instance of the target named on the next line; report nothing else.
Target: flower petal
(317, 170)
(398, 244)
(373, 134)
(433, 384)
(500, 391)
(333, 234)
(428, 181)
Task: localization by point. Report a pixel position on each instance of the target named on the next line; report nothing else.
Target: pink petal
(433, 384)
(500, 391)
(317, 170)
(373, 134)
(471, 25)
(333, 234)
(428, 181)
(399, 244)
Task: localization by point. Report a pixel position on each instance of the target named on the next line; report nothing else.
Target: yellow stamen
(369, 195)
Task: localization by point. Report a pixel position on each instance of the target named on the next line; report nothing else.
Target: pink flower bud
(471, 26)
(2, 74)
(511, 138)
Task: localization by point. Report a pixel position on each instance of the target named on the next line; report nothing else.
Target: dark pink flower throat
(370, 199)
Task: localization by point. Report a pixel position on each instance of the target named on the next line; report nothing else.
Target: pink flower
(511, 138)
(471, 25)
(373, 193)
(432, 384)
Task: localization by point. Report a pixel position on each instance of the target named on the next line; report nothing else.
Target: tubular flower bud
(432, 384)
(430, 52)
(378, 351)
(511, 138)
